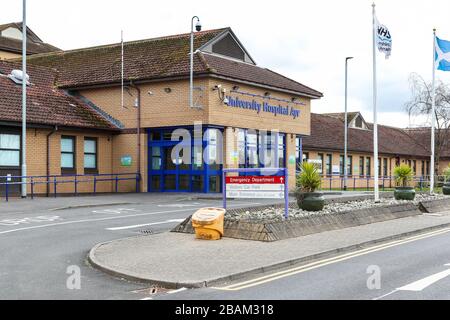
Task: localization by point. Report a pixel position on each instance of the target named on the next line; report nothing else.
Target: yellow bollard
(208, 223)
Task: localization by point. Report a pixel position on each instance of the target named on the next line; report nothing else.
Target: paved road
(418, 269)
(41, 249)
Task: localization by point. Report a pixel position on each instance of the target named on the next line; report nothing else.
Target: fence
(367, 182)
(52, 182)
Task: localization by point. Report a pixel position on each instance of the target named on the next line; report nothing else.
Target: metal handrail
(65, 178)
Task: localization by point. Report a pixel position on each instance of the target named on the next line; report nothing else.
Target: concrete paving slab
(177, 260)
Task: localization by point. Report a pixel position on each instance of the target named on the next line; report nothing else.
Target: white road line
(97, 219)
(321, 263)
(421, 284)
(143, 225)
(176, 291)
(385, 295)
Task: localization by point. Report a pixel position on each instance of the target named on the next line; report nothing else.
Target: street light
(345, 126)
(198, 27)
(24, 100)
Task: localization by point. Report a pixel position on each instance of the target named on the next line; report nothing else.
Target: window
(320, 158)
(341, 165)
(349, 165)
(423, 167)
(281, 148)
(305, 156)
(361, 166)
(298, 151)
(329, 164)
(90, 155)
(379, 167)
(385, 167)
(415, 167)
(9, 150)
(67, 154)
(428, 168)
(358, 122)
(368, 166)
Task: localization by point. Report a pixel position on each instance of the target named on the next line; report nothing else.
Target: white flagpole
(433, 117)
(121, 40)
(24, 100)
(375, 125)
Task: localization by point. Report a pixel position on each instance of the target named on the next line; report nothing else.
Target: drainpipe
(48, 157)
(138, 129)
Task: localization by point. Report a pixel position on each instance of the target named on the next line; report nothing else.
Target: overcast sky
(305, 40)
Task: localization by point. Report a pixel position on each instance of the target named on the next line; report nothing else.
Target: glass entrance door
(169, 173)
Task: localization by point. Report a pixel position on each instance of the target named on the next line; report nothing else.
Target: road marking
(27, 220)
(181, 205)
(421, 284)
(324, 262)
(116, 211)
(177, 290)
(145, 224)
(97, 219)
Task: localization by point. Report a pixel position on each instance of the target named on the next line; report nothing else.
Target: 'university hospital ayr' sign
(264, 107)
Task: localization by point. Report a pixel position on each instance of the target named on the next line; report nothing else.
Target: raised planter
(446, 188)
(433, 206)
(310, 201)
(404, 193)
(277, 230)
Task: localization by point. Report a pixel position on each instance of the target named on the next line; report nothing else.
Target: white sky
(305, 40)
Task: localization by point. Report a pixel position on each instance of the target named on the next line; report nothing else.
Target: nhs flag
(442, 54)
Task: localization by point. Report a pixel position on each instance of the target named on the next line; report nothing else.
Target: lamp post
(24, 100)
(345, 126)
(198, 27)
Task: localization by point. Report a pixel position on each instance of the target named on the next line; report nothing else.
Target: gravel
(276, 214)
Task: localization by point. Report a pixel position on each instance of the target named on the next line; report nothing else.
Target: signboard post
(256, 187)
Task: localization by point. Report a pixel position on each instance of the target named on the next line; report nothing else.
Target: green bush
(308, 180)
(403, 174)
(447, 174)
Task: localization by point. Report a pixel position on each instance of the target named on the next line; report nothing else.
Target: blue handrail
(68, 178)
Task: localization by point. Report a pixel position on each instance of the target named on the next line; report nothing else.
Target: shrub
(403, 174)
(308, 179)
(447, 174)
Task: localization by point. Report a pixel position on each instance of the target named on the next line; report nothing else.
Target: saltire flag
(383, 39)
(442, 54)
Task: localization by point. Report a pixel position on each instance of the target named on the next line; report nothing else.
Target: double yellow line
(314, 265)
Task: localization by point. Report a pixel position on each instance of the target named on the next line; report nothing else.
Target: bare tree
(420, 105)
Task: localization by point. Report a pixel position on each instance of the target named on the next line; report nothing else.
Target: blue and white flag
(442, 55)
(383, 39)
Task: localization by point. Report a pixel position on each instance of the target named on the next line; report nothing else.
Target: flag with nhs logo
(442, 54)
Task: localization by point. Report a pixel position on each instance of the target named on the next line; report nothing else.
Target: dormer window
(358, 122)
(12, 33)
(227, 45)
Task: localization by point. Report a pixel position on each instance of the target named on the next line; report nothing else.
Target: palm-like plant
(403, 174)
(447, 174)
(309, 178)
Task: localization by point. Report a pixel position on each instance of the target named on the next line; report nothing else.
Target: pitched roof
(46, 104)
(157, 58)
(327, 133)
(34, 43)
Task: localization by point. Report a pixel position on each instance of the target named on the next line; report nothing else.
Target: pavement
(179, 260)
(43, 241)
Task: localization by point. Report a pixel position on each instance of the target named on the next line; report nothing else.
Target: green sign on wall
(126, 161)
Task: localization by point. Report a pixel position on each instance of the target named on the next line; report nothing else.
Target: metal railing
(52, 181)
(367, 182)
